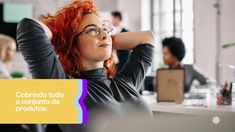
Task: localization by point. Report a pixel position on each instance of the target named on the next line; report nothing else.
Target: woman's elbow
(149, 38)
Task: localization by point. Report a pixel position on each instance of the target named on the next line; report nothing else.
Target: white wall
(145, 14)
(206, 39)
(106, 5)
(227, 36)
(205, 35)
(132, 9)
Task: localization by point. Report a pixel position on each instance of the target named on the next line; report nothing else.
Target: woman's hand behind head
(46, 29)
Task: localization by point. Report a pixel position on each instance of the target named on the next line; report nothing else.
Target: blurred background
(206, 27)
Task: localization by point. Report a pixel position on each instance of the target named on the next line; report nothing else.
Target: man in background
(122, 55)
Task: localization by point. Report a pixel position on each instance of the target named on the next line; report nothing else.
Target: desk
(173, 108)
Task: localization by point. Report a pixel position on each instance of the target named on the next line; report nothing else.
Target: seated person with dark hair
(173, 54)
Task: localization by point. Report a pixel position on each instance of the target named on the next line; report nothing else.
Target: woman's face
(168, 58)
(93, 47)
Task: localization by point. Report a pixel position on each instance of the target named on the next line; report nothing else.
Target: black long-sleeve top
(106, 97)
(192, 74)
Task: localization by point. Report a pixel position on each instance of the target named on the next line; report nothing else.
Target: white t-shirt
(4, 73)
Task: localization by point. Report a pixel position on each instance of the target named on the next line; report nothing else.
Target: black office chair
(36, 128)
(21, 128)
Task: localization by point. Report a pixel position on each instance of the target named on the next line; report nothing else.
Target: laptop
(170, 85)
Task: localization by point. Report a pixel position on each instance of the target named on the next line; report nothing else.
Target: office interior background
(204, 25)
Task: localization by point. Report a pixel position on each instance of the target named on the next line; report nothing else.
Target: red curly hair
(64, 26)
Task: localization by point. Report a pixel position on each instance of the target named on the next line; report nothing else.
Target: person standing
(122, 55)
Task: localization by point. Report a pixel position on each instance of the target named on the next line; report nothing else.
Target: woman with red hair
(76, 43)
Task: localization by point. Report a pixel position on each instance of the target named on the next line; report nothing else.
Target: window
(173, 18)
(14, 12)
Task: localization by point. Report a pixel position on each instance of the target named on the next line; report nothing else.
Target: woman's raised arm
(33, 39)
(140, 60)
(129, 40)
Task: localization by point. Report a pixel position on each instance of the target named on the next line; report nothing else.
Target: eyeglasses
(94, 30)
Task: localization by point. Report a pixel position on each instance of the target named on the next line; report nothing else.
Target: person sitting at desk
(173, 54)
(7, 53)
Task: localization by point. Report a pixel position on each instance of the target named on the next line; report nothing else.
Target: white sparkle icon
(216, 120)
